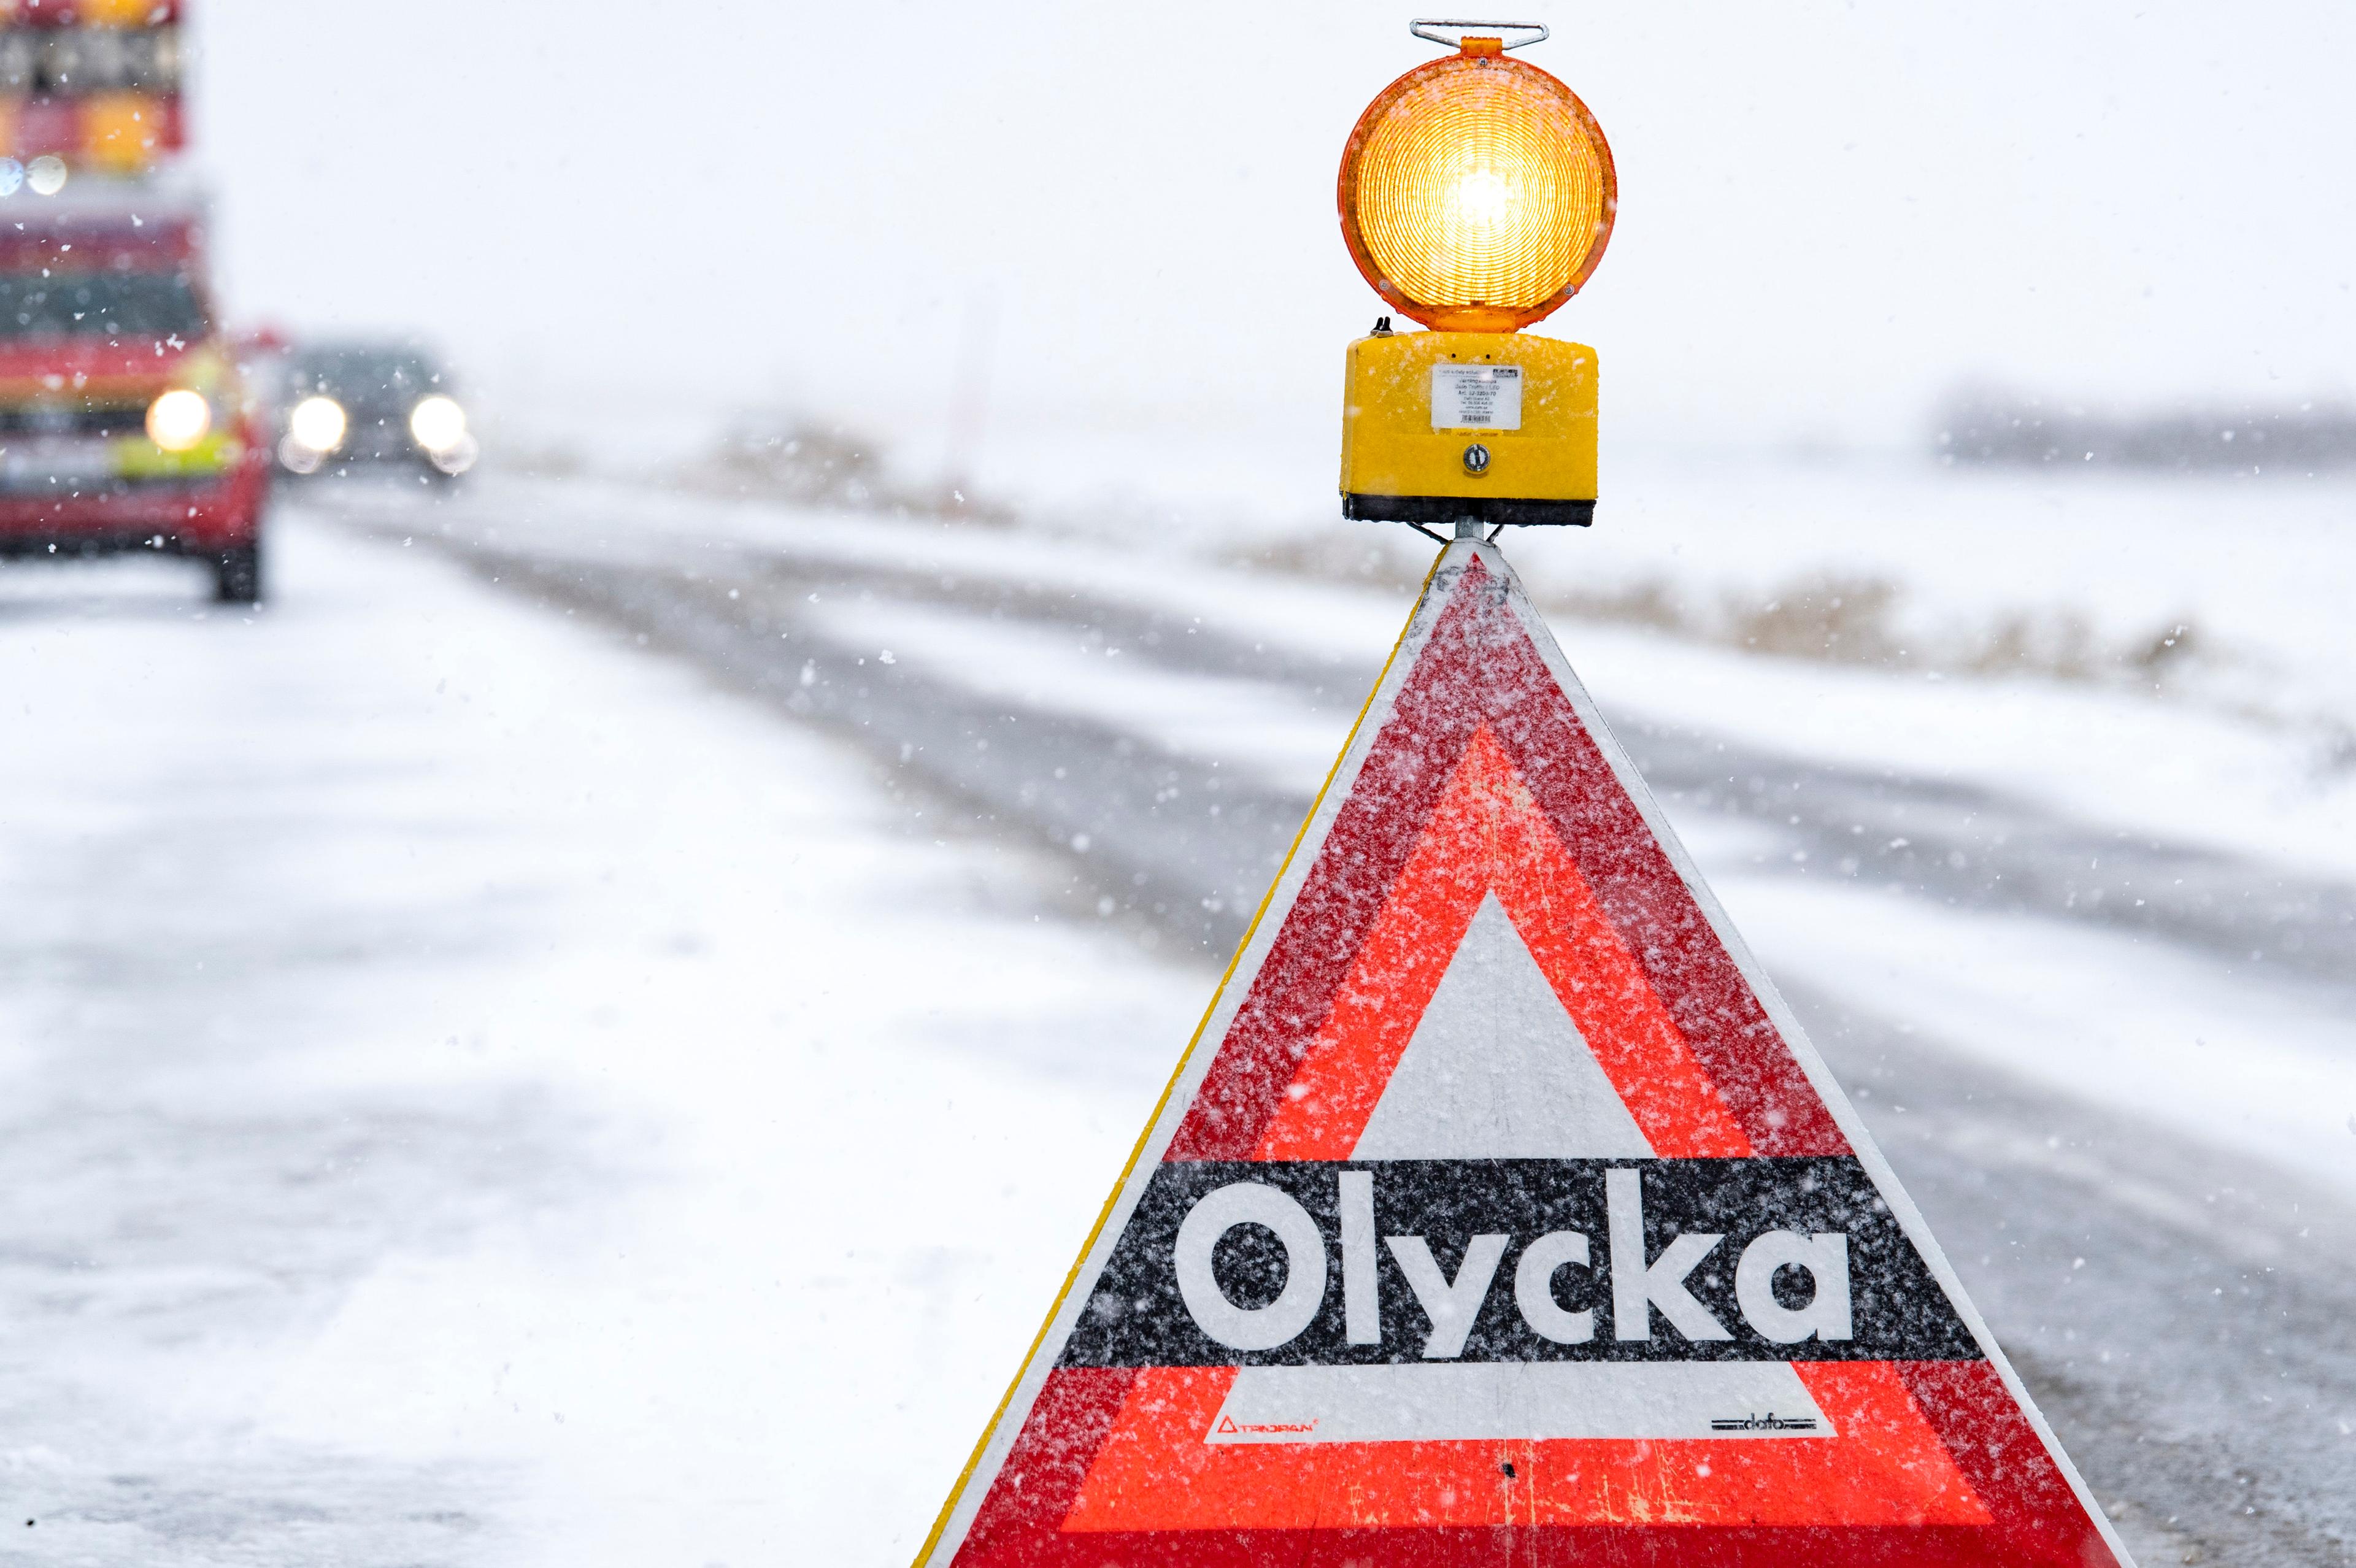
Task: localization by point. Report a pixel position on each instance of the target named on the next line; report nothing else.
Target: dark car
(346, 406)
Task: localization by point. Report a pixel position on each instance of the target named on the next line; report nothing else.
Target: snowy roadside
(2229, 1054)
(2084, 575)
(2241, 743)
(475, 1096)
(2237, 1054)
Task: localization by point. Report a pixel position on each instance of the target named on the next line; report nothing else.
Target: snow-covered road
(486, 1092)
(477, 1093)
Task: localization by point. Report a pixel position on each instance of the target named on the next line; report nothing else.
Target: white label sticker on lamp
(1476, 397)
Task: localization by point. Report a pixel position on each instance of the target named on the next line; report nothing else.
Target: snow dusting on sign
(1500, 1211)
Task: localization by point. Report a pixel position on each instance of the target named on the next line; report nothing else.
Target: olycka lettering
(1788, 1286)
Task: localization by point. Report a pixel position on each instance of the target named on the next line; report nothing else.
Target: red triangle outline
(1478, 675)
(1479, 669)
(1485, 835)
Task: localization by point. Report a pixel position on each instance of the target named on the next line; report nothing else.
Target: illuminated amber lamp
(1476, 196)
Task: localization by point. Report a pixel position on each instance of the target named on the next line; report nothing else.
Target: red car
(124, 422)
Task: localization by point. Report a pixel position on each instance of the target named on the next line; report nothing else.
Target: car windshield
(364, 380)
(99, 304)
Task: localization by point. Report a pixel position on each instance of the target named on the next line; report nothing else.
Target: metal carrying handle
(1477, 30)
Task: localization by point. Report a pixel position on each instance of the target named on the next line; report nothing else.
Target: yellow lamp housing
(1441, 426)
(1476, 194)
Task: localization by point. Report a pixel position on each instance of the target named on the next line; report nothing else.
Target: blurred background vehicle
(124, 422)
(355, 404)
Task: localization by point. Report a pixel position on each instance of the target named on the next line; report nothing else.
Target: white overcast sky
(1829, 212)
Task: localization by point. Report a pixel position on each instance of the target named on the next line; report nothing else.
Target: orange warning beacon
(1476, 194)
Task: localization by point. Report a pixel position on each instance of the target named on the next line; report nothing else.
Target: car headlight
(317, 422)
(178, 420)
(437, 422)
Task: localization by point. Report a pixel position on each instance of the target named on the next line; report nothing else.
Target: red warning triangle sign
(1500, 1211)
